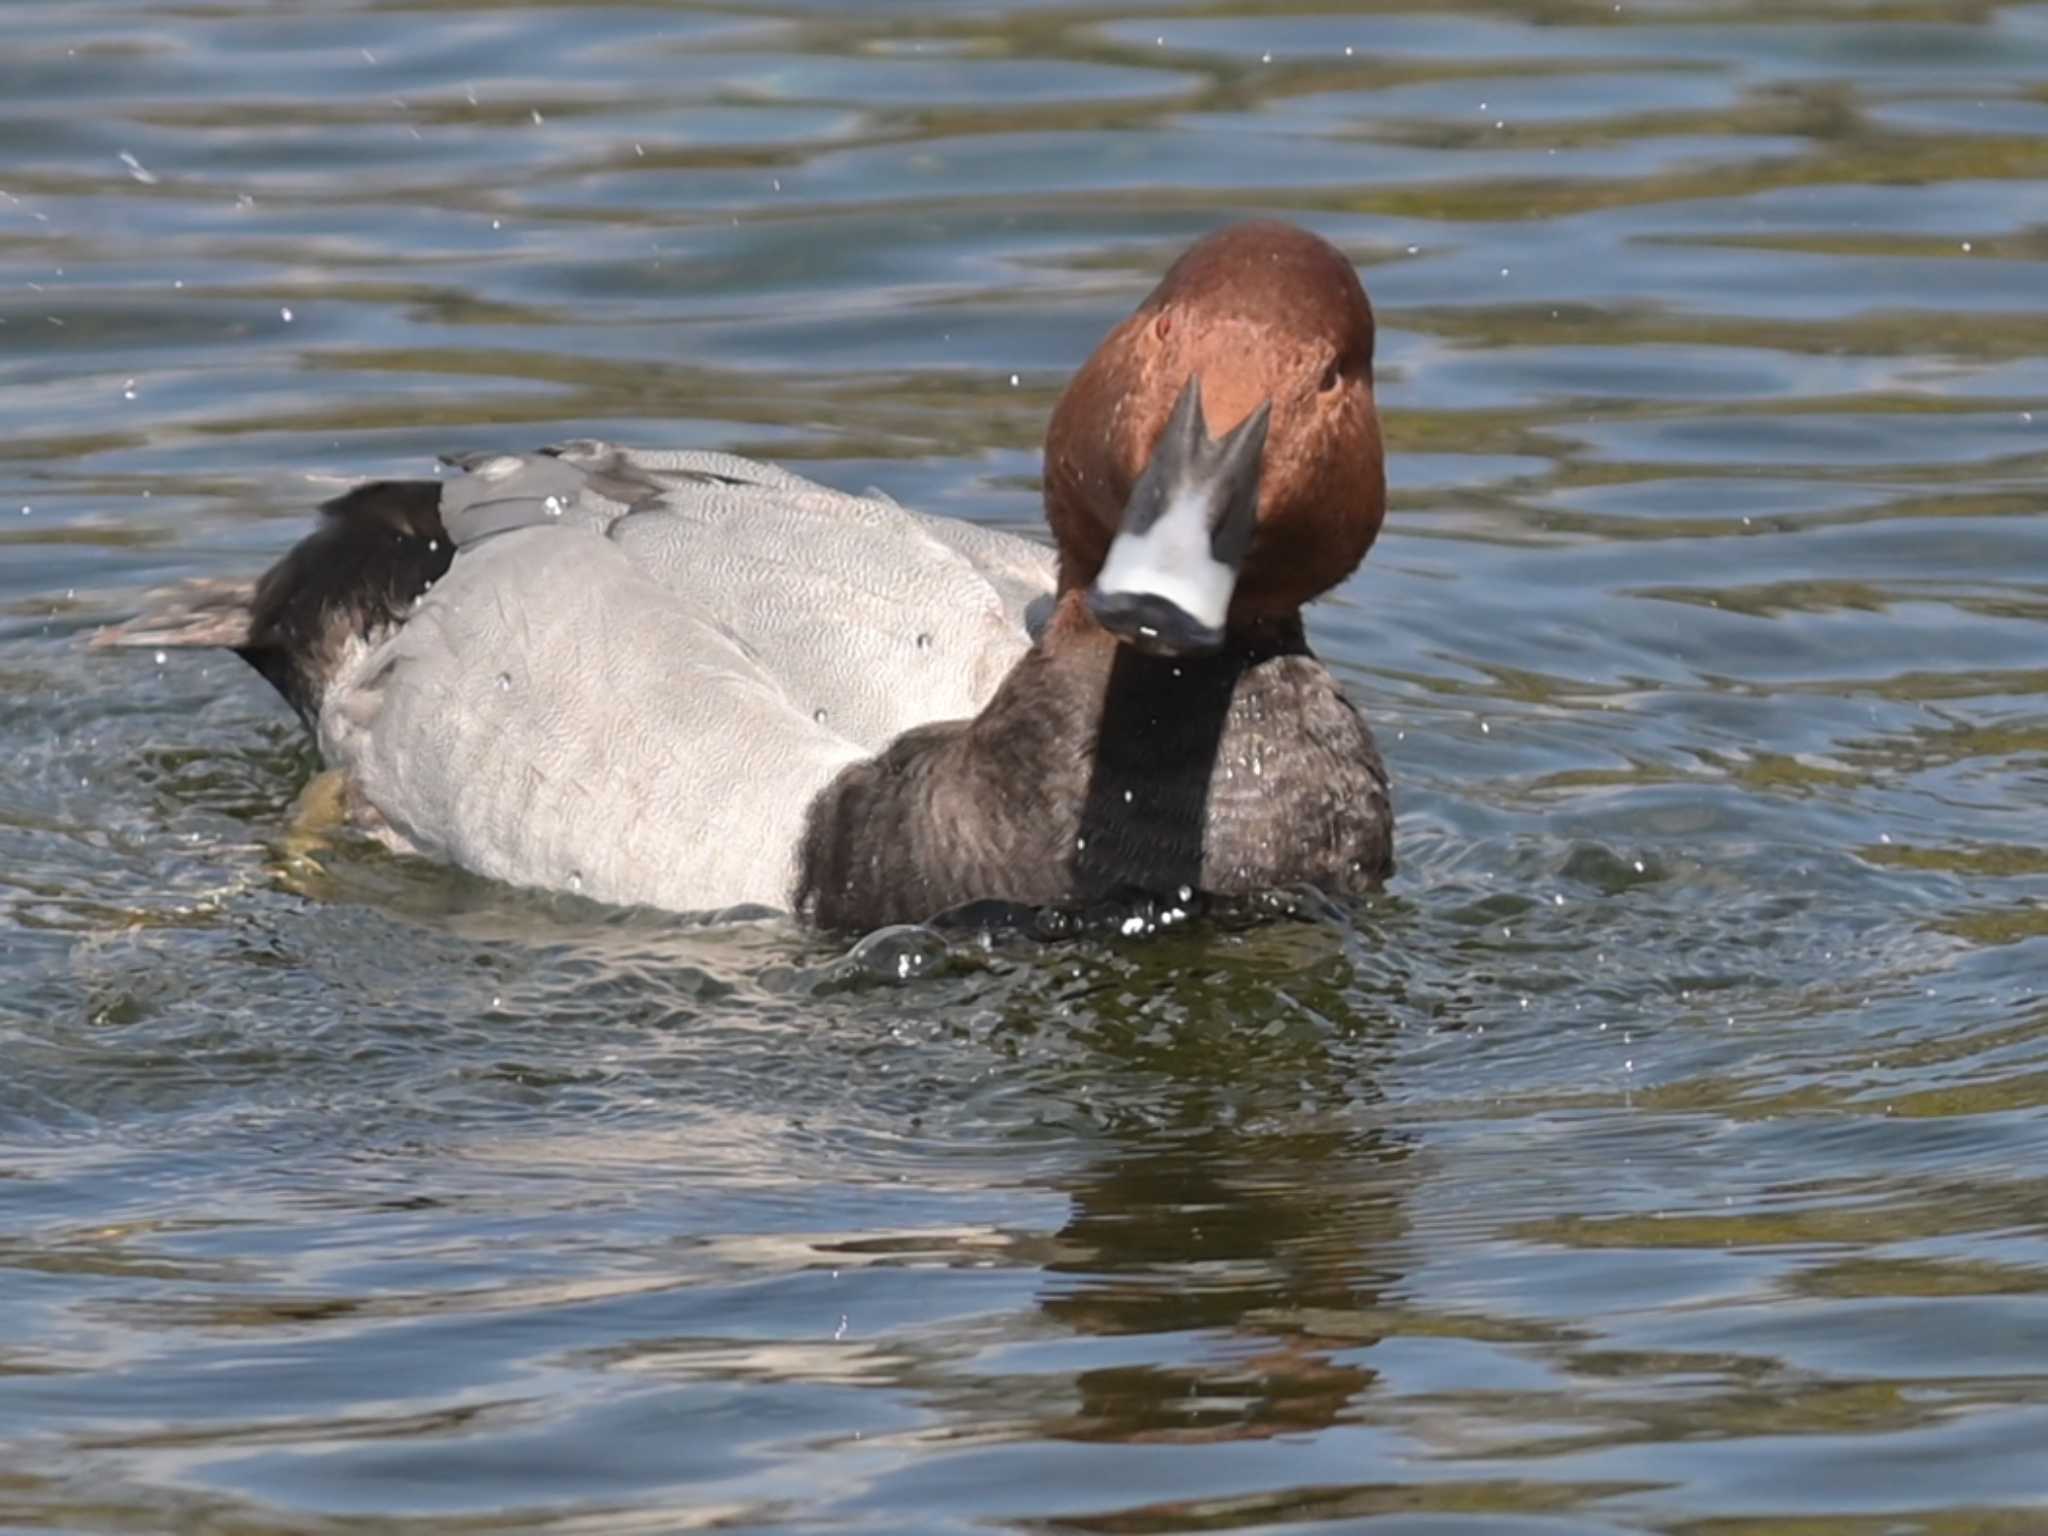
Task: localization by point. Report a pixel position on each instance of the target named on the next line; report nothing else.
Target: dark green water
(1666, 1151)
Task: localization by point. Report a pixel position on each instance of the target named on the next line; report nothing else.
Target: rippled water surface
(1666, 1151)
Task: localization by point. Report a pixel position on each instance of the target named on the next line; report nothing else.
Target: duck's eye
(1332, 375)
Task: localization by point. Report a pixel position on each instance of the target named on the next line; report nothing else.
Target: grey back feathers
(640, 668)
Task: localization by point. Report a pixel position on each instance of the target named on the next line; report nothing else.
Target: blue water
(1663, 1152)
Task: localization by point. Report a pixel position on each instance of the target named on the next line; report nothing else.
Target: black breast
(1230, 775)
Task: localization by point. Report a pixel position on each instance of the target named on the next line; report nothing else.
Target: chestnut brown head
(1235, 406)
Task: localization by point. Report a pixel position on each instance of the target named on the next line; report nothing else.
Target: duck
(692, 681)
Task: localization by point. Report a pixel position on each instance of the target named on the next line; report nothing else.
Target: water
(1664, 1152)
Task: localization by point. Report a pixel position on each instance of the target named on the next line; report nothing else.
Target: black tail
(378, 548)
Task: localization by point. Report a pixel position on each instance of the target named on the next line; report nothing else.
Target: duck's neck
(1088, 774)
(1144, 819)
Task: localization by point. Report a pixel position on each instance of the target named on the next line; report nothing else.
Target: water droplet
(537, 118)
(1966, 247)
(553, 505)
(128, 390)
(286, 314)
(161, 658)
(1127, 797)
(575, 880)
(135, 169)
(1639, 867)
(819, 715)
(904, 952)
(1015, 381)
(504, 682)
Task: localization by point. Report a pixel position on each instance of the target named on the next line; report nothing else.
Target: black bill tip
(1153, 624)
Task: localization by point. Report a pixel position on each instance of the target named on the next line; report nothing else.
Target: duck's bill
(1166, 585)
(1156, 625)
